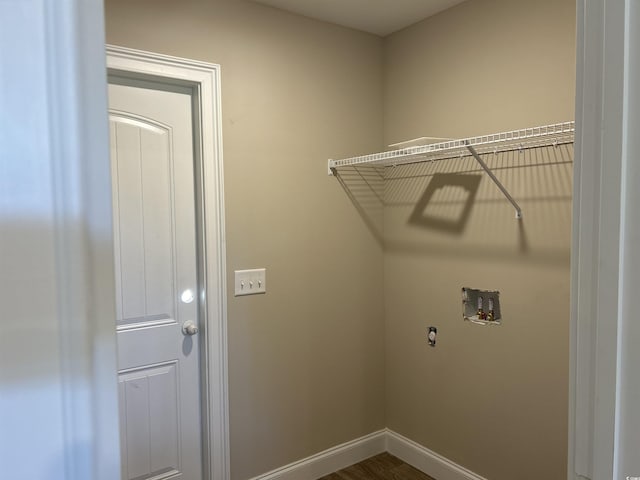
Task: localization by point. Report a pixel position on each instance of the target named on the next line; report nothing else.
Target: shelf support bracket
(331, 170)
(495, 180)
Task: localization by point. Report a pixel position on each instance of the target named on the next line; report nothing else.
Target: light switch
(250, 282)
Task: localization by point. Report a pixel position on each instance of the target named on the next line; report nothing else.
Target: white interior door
(156, 281)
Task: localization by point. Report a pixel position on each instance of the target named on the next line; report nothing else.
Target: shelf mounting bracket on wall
(488, 171)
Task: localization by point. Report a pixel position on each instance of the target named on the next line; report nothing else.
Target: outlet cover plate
(250, 282)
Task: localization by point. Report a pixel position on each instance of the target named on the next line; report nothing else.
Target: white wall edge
(204, 78)
(599, 289)
(426, 460)
(330, 460)
(61, 380)
(78, 136)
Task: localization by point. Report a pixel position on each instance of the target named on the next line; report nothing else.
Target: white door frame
(204, 79)
(604, 418)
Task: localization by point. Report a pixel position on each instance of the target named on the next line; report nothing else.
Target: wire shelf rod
(546, 135)
(452, 155)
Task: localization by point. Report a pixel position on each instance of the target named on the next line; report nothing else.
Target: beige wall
(306, 360)
(491, 399)
(483, 66)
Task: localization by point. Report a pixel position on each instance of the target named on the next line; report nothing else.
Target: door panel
(156, 262)
(145, 254)
(151, 443)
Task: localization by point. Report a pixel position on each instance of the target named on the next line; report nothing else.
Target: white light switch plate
(250, 282)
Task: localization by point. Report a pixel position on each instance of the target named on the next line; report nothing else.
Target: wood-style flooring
(381, 467)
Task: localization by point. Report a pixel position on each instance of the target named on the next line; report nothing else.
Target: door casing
(204, 81)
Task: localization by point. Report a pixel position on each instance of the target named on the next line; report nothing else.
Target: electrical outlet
(431, 336)
(250, 282)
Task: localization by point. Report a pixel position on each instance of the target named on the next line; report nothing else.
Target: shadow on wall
(446, 202)
(434, 208)
(365, 187)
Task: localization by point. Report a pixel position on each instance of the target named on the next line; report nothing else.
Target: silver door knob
(189, 328)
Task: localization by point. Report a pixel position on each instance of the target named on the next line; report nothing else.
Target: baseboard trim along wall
(425, 460)
(342, 456)
(331, 460)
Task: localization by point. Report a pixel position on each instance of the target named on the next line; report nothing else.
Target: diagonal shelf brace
(495, 180)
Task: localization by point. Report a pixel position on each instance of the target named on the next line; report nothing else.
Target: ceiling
(380, 17)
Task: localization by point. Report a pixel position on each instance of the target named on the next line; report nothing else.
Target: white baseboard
(342, 456)
(331, 460)
(426, 460)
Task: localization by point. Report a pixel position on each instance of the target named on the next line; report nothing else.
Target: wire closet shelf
(542, 136)
(526, 138)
